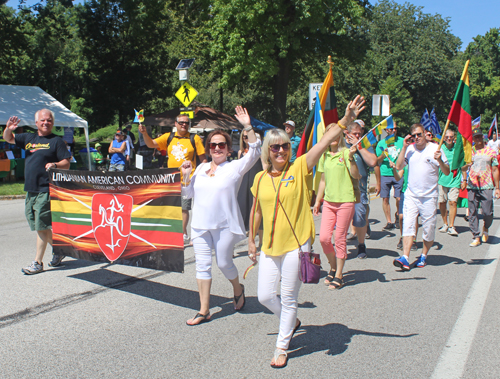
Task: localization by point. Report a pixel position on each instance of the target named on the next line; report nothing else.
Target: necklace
(211, 172)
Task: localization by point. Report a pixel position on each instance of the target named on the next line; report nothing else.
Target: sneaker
(421, 261)
(402, 263)
(368, 231)
(466, 218)
(186, 239)
(351, 236)
(485, 236)
(33, 268)
(452, 231)
(475, 242)
(389, 226)
(400, 244)
(56, 260)
(362, 251)
(444, 229)
(414, 246)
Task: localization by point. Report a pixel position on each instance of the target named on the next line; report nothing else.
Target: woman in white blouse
(217, 222)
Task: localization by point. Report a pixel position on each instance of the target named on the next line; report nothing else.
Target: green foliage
(484, 74)
(11, 188)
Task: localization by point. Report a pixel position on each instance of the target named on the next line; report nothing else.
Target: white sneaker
(452, 231)
(444, 228)
(186, 239)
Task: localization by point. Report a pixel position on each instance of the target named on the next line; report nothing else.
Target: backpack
(191, 138)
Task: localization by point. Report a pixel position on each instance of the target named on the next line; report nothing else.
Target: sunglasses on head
(419, 135)
(276, 148)
(220, 145)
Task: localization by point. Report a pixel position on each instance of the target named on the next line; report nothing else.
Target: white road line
(452, 361)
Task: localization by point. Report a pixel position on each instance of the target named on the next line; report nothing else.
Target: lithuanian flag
(460, 116)
(328, 103)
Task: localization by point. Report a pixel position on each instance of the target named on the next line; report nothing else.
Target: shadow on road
(332, 338)
(352, 278)
(373, 253)
(443, 260)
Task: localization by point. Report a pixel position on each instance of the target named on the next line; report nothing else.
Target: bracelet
(341, 126)
(55, 165)
(247, 129)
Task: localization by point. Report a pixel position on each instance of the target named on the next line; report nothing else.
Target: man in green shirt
(387, 180)
(449, 187)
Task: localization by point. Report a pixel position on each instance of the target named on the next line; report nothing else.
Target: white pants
(427, 208)
(285, 268)
(223, 241)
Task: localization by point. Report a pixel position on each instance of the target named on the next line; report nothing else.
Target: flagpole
(444, 132)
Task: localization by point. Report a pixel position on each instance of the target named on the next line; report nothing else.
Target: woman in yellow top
(282, 201)
(336, 167)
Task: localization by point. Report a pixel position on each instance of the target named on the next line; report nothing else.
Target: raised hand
(186, 169)
(354, 108)
(13, 122)
(242, 116)
(142, 129)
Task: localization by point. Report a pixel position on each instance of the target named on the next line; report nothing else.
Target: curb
(12, 197)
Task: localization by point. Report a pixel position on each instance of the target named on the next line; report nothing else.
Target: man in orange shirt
(180, 148)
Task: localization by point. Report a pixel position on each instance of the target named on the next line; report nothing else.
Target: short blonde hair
(274, 136)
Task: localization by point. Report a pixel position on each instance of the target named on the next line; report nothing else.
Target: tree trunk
(280, 89)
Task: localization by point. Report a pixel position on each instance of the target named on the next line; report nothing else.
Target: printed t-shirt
(40, 150)
(180, 149)
(295, 141)
(393, 152)
(480, 171)
(423, 170)
(363, 168)
(338, 184)
(448, 180)
(295, 196)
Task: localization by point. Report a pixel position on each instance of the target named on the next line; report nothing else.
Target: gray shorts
(186, 204)
(386, 182)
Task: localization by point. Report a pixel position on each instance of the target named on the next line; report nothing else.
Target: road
(86, 320)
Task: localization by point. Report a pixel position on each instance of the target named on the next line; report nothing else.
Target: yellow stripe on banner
(169, 212)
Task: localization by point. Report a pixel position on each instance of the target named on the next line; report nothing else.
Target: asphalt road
(87, 320)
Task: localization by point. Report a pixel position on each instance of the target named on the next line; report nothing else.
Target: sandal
(237, 299)
(336, 284)
(203, 318)
(329, 278)
(278, 353)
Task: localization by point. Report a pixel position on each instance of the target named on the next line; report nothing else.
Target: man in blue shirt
(118, 148)
(294, 140)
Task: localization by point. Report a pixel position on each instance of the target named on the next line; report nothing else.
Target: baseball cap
(97, 145)
(119, 132)
(291, 123)
(477, 132)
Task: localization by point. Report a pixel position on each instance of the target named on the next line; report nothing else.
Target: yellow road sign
(186, 94)
(190, 114)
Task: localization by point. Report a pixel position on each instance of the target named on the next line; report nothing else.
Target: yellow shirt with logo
(180, 149)
(295, 196)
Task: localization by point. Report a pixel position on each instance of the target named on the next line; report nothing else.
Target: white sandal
(277, 354)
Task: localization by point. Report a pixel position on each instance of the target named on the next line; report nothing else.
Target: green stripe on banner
(72, 218)
(163, 225)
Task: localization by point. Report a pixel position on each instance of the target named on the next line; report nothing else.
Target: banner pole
(444, 132)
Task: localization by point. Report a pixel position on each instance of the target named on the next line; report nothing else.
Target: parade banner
(129, 217)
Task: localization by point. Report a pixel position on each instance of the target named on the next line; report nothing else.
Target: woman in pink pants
(337, 167)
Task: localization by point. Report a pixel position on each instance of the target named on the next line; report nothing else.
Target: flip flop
(277, 354)
(237, 298)
(297, 327)
(204, 318)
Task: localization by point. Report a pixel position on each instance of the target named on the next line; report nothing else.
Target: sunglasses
(419, 135)
(449, 137)
(220, 145)
(183, 122)
(276, 148)
(245, 137)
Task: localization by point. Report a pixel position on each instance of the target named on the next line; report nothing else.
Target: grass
(11, 188)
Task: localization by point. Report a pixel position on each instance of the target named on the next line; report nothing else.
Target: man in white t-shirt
(494, 143)
(424, 159)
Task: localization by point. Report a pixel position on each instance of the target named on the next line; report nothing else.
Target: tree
(484, 71)
(259, 41)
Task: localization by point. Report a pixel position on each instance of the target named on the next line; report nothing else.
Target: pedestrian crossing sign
(186, 94)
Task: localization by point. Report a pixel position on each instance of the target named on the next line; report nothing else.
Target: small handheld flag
(390, 139)
(139, 116)
(476, 122)
(436, 129)
(426, 121)
(493, 127)
(371, 137)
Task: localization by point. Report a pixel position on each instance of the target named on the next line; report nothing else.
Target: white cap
(291, 123)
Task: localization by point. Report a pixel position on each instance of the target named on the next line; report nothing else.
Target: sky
(468, 18)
